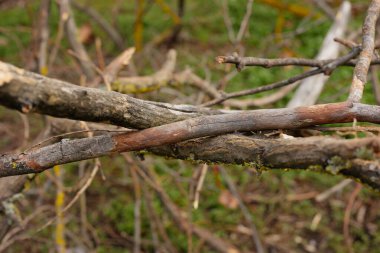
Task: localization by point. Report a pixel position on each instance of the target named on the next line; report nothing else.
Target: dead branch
(42, 95)
(109, 29)
(29, 92)
(71, 33)
(179, 217)
(326, 69)
(310, 89)
(368, 43)
(155, 81)
(44, 36)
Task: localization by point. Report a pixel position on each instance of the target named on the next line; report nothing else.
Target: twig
(347, 217)
(155, 220)
(77, 195)
(199, 185)
(365, 57)
(177, 27)
(336, 188)
(325, 8)
(71, 33)
(103, 23)
(181, 220)
(347, 43)
(244, 23)
(11, 237)
(44, 36)
(137, 210)
(310, 89)
(227, 21)
(327, 69)
(349, 129)
(188, 77)
(244, 210)
(58, 39)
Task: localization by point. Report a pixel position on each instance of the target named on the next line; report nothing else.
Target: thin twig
(103, 23)
(227, 21)
(244, 23)
(336, 188)
(198, 188)
(321, 4)
(71, 33)
(347, 217)
(137, 210)
(77, 195)
(327, 69)
(44, 36)
(244, 210)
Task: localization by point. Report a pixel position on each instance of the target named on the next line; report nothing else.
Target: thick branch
(327, 154)
(80, 149)
(29, 92)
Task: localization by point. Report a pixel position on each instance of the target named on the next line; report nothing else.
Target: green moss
(336, 164)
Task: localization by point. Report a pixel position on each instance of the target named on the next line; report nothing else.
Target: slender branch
(180, 219)
(188, 77)
(321, 4)
(242, 62)
(327, 69)
(245, 22)
(44, 36)
(365, 57)
(255, 234)
(103, 23)
(71, 32)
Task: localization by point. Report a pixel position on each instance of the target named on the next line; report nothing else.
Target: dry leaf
(228, 200)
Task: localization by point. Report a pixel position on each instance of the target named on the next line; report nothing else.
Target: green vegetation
(110, 203)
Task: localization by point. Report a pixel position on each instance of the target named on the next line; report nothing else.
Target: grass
(111, 202)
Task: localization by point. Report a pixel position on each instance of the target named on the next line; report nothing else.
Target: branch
(29, 92)
(310, 89)
(26, 91)
(139, 84)
(327, 69)
(71, 33)
(327, 154)
(103, 23)
(365, 57)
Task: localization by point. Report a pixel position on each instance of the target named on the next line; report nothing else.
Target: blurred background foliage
(282, 204)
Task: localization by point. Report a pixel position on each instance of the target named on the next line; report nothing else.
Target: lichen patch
(5, 78)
